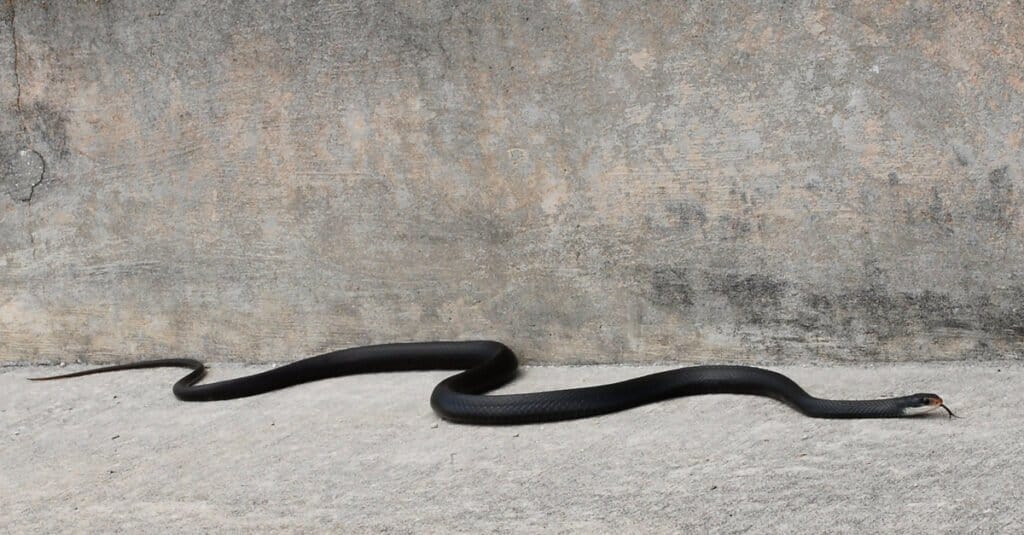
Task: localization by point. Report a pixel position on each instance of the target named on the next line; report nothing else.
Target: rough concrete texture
(118, 453)
(593, 182)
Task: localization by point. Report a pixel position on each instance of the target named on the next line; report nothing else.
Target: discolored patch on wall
(670, 287)
(938, 214)
(687, 215)
(997, 204)
(756, 297)
(1002, 314)
(885, 316)
(733, 227)
(49, 126)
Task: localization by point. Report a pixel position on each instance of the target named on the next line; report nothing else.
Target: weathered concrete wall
(586, 182)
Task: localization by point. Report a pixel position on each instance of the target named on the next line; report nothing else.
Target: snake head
(924, 403)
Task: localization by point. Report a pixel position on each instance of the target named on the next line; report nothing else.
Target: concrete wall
(588, 182)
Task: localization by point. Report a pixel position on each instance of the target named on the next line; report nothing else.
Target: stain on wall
(589, 182)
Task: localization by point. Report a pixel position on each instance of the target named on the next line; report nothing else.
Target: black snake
(488, 365)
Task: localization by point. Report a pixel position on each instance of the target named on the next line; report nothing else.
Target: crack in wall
(17, 70)
(25, 171)
(25, 132)
(32, 186)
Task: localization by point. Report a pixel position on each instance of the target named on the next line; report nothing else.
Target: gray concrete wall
(588, 182)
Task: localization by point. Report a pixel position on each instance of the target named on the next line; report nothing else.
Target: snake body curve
(488, 365)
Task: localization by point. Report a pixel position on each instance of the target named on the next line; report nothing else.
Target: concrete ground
(118, 453)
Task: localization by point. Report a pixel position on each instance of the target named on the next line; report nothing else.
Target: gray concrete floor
(366, 454)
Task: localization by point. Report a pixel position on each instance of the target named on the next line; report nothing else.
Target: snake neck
(834, 408)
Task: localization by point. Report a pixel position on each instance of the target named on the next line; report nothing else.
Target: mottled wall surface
(588, 182)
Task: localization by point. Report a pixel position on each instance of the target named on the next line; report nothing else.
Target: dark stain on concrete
(733, 227)
(670, 287)
(756, 297)
(495, 230)
(872, 311)
(48, 125)
(1004, 319)
(1000, 179)
(938, 214)
(687, 215)
(997, 206)
(933, 310)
